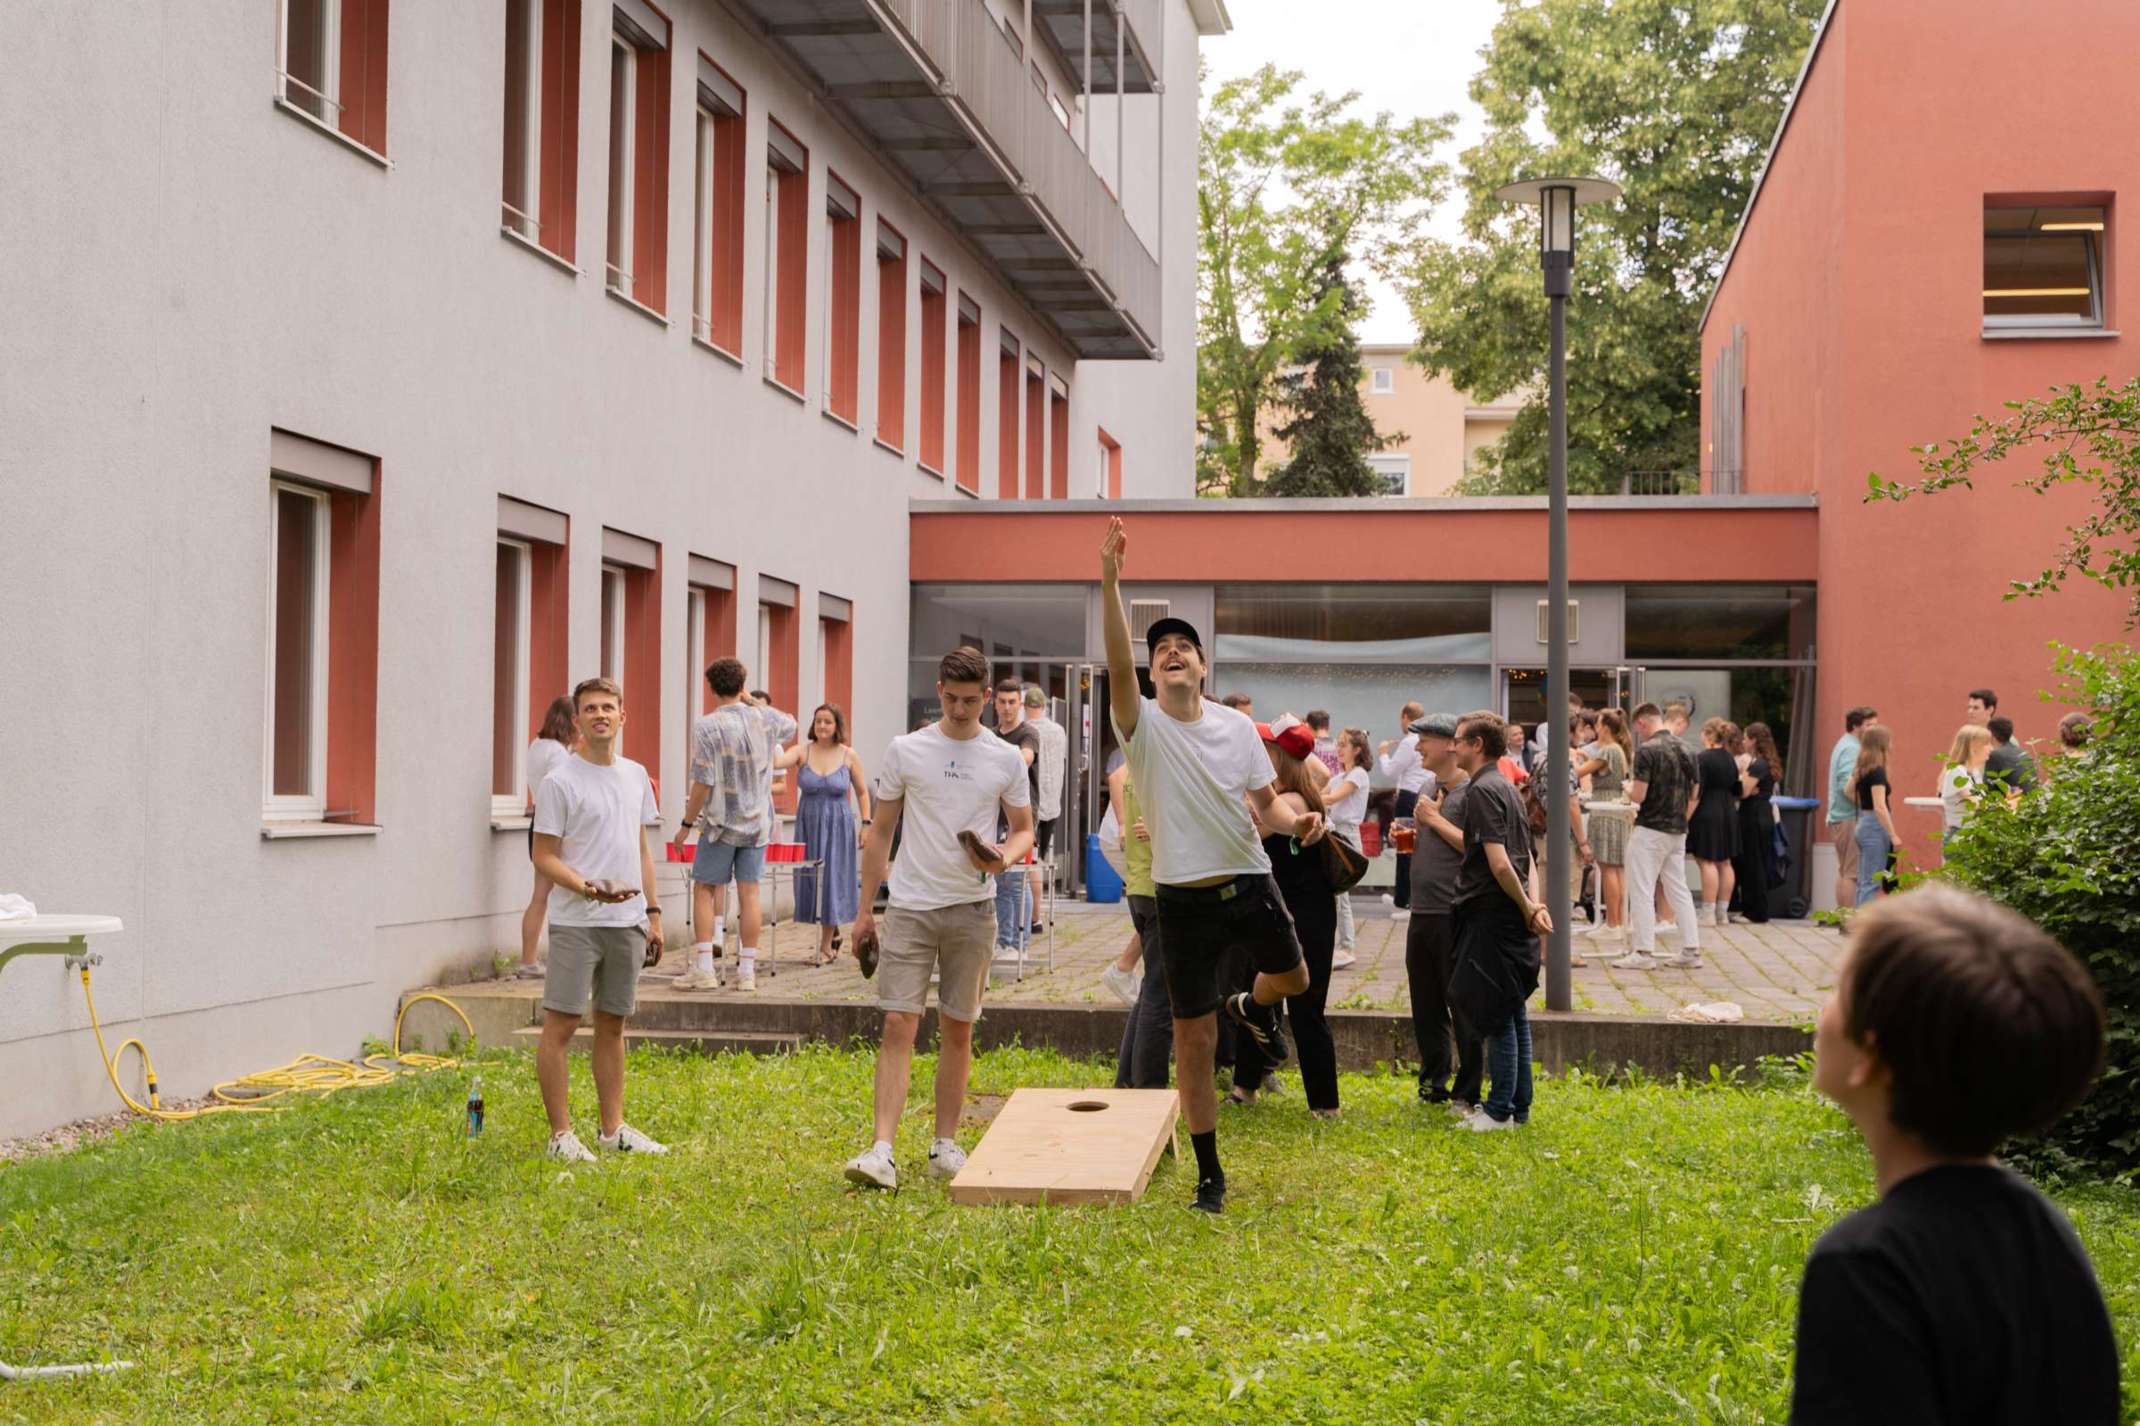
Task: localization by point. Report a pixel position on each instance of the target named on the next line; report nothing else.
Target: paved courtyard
(1778, 973)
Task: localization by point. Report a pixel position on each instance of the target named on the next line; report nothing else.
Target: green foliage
(1330, 432)
(1675, 102)
(2093, 435)
(1283, 184)
(1632, 1256)
(2068, 858)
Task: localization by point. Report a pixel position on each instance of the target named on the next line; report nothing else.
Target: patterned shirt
(732, 757)
(1666, 770)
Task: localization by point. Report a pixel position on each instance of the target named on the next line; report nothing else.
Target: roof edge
(1805, 72)
(1373, 505)
(1211, 17)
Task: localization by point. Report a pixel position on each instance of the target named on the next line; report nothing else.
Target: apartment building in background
(379, 369)
(1439, 428)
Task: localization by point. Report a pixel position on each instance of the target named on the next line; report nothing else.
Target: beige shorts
(956, 942)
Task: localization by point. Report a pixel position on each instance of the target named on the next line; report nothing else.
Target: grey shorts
(957, 942)
(598, 963)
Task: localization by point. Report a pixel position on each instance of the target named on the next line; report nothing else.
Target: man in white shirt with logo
(1054, 754)
(948, 782)
(1198, 767)
(591, 816)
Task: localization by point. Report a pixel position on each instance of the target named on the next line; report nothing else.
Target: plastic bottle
(475, 1108)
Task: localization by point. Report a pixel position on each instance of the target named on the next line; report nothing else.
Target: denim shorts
(716, 863)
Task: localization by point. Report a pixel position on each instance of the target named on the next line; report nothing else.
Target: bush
(2068, 858)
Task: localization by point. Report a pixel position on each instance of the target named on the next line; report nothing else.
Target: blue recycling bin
(1101, 881)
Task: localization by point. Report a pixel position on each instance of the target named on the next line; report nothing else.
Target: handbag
(1343, 863)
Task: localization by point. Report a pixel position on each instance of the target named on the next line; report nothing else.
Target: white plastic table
(1933, 803)
(56, 936)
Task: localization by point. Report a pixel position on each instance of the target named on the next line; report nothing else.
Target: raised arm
(1121, 657)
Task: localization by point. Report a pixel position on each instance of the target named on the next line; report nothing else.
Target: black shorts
(1201, 926)
(1044, 839)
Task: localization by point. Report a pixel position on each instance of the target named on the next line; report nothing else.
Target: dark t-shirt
(1662, 764)
(1964, 1296)
(1435, 862)
(1876, 778)
(1493, 812)
(1025, 739)
(2008, 766)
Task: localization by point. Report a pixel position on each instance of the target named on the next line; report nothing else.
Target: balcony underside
(993, 185)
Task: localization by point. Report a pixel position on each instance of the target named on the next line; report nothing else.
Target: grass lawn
(1633, 1256)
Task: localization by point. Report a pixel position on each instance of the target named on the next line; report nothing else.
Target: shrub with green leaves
(2068, 857)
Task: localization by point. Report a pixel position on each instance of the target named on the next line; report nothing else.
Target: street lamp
(1556, 200)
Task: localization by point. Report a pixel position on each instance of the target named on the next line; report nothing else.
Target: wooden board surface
(1041, 1149)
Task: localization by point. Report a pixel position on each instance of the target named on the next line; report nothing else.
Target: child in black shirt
(1963, 1295)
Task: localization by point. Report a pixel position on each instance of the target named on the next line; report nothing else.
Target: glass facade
(1719, 621)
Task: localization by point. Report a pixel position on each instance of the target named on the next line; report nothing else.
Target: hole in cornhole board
(1056, 1146)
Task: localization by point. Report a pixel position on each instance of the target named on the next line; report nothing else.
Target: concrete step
(702, 1042)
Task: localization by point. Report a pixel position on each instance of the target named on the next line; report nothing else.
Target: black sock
(1206, 1145)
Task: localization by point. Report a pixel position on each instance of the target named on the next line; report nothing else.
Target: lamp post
(1556, 200)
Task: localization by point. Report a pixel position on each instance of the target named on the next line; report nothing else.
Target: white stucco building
(377, 369)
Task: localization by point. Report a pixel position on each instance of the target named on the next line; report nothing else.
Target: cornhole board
(1070, 1146)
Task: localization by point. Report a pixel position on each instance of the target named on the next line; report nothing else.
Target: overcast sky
(1410, 57)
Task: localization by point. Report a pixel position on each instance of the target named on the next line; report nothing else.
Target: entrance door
(1523, 693)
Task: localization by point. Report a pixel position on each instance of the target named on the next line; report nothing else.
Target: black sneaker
(1036, 930)
(1210, 1196)
(1261, 1023)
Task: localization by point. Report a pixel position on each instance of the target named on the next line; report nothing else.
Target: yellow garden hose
(251, 1094)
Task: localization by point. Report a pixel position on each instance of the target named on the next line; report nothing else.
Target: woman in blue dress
(830, 816)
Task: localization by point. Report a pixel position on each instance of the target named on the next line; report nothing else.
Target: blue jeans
(1012, 929)
(1873, 847)
(1508, 1060)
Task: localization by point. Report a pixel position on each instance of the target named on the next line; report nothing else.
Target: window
(717, 246)
(1006, 416)
(319, 753)
(1354, 623)
(787, 256)
(843, 300)
(1058, 439)
(631, 638)
(969, 474)
(1110, 466)
(638, 154)
(542, 123)
(933, 315)
(612, 623)
(892, 337)
(2043, 267)
(835, 652)
(1036, 429)
(1719, 621)
(509, 679)
(709, 634)
(1395, 471)
(1383, 381)
(334, 66)
(1032, 620)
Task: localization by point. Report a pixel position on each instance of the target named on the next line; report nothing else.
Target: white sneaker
(1400, 914)
(1685, 960)
(628, 1140)
(746, 975)
(946, 1158)
(1343, 960)
(567, 1148)
(1634, 960)
(1483, 1123)
(696, 980)
(1123, 984)
(1388, 899)
(873, 1169)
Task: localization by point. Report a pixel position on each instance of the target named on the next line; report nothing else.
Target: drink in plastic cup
(1404, 834)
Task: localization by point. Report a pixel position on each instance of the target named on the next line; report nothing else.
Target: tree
(1330, 432)
(1283, 184)
(1675, 101)
(2094, 438)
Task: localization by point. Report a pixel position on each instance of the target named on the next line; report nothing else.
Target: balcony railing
(1660, 482)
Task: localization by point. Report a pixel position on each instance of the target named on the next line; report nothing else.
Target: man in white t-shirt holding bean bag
(947, 783)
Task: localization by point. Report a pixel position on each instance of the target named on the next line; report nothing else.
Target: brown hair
(1488, 728)
(1675, 710)
(1876, 740)
(1717, 730)
(1762, 744)
(2073, 730)
(1235, 700)
(839, 722)
(726, 677)
(1859, 716)
(1986, 1025)
(1358, 737)
(1612, 723)
(557, 722)
(964, 664)
(596, 685)
(1645, 710)
(1293, 777)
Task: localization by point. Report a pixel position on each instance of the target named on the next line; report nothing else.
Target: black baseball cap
(1160, 630)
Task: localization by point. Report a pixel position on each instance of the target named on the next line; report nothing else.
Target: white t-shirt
(598, 813)
(544, 755)
(1193, 780)
(1956, 784)
(1403, 766)
(947, 785)
(1347, 809)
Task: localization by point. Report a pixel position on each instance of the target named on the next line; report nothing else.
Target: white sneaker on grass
(628, 1140)
(1120, 983)
(873, 1169)
(946, 1158)
(1634, 960)
(1484, 1123)
(567, 1148)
